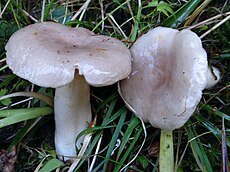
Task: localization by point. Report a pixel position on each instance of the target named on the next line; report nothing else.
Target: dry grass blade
(40, 96)
(2, 60)
(197, 12)
(95, 154)
(224, 149)
(4, 8)
(139, 150)
(208, 21)
(86, 142)
(43, 10)
(83, 7)
(30, 16)
(216, 26)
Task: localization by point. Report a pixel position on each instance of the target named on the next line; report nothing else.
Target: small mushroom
(169, 72)
(68, 59)
(213, 77)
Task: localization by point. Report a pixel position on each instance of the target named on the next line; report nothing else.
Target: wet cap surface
(168, 76)
(47, 54)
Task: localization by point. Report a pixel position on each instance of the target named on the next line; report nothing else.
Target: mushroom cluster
(169, 72)
(67, 59)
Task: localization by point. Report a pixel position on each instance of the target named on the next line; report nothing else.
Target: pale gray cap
(47, 54)
(168, 75)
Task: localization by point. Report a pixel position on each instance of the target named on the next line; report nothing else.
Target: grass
(120, 141)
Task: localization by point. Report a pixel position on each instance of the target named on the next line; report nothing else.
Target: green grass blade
(224, 148)
(8, 80)
(215, 112)
(93, 129)
(126, 137)
(211, 127)
(106, 17)
(22, 133)
(181, 14)
(19, 15)
(136, 23)
(114, 116)
(197, 12)
(89, 150)
(155, 169)
(111, 98)
(98, 167)
(106, 120)
(114, 139)
(198, 149)
(51, 165)
(166, 151)
(17, 115)
(48, 8)
(129, 150)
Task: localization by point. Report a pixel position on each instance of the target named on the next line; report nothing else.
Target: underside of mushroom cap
(47, 54)
(168, 76)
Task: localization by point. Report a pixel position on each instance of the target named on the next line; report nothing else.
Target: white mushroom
(68, 59)
(169, 72)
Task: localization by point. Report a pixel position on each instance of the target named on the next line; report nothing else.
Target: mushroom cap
(168, 75)
(47, 54)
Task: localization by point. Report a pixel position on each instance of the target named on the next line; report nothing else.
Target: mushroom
(169, 72)
(67, 59)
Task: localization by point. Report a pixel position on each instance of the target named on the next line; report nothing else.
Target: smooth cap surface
(47, 54)
(168, 76)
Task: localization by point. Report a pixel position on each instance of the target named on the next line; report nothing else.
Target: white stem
(213, 77)
(72, 115)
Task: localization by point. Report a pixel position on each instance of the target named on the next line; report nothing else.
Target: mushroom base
(72, 115)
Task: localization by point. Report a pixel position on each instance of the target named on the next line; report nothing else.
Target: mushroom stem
(213, 77)
(166, 151)
(72, 114)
